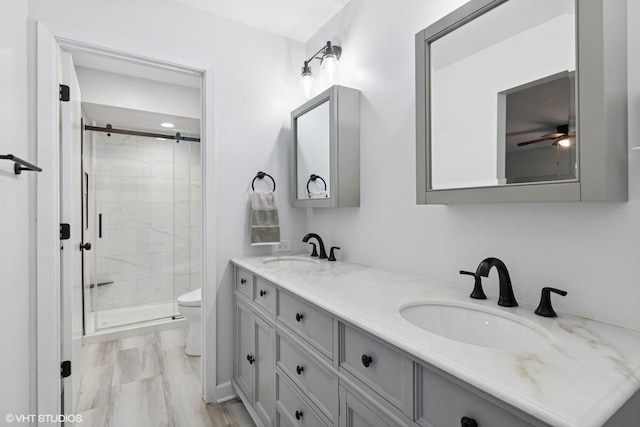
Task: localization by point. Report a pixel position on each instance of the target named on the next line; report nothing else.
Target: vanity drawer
(244, 282)
(293, 407)
(309, 322)
(379, 366)
(443, 402)
(316, 381)
(265, 295)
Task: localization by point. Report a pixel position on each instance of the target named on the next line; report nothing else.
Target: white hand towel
(265, 224)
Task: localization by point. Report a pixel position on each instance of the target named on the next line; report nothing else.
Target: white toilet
(189, 306)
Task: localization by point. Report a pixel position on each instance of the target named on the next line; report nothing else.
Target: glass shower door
(134, 254)
(145, 211)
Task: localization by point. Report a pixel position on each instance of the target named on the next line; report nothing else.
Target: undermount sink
(288, 261)
(475, 326)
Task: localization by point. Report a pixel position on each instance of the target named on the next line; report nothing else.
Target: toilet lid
(191, 299)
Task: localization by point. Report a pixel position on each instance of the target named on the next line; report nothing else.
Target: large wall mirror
(522, 100)
(326, 150)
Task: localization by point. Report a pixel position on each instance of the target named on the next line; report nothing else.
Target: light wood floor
(149, 381)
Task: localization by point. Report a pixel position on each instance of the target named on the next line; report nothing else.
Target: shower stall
(142, 214)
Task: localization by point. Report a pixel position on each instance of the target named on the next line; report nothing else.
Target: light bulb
(307, 84)
(330, 65)
(564, 142)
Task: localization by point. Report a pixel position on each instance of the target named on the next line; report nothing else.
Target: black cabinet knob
(366, 360)
(299, 369)
(299, 317)
(468, 422)
(299, 415)
(250, 359)
(262, 292)
(86, 246)
(243, 281)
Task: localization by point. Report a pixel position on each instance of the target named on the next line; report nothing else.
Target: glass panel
(90, 229)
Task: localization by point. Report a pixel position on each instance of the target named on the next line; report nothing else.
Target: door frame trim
(51, 38)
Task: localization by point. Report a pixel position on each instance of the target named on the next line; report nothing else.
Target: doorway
(51, 328)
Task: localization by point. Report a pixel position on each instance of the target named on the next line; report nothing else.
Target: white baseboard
(225, 392)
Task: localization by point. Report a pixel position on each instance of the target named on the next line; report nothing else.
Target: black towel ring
(313, 178)
(261, 175)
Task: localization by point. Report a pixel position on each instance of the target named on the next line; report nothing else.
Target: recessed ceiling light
(167, 125)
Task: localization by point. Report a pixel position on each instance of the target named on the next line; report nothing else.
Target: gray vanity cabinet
(299, 366)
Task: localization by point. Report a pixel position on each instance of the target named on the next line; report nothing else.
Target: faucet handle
(544, 308)
(314, 253)
(477, 292)
(332, 257)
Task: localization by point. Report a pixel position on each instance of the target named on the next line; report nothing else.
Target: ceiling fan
(561, 137)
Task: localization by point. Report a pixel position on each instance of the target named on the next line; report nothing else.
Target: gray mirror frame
(344, 151)
(601, 58)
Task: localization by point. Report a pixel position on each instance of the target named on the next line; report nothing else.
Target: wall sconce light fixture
(328, 56)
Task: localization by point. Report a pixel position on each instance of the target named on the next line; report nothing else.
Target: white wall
(589, 249)
(16, 215)
(105, 88)
(253, 97)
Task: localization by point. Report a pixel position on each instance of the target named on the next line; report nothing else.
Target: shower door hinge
(65, 369)
(65, 231)
(64, 93)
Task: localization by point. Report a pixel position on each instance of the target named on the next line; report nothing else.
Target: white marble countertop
(581, 379)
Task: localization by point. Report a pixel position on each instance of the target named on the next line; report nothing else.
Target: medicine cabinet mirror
(326, 150)
(522, 101)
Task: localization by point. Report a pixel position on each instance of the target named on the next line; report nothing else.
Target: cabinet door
(354, 413)
(245, 357)
(264, 402)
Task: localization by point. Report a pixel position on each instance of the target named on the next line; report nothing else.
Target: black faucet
(305, 239)
(506, 299)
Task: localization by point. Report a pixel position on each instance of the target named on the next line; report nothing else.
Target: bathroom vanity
(337, 344)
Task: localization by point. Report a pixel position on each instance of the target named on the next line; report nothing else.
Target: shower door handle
(86, 246)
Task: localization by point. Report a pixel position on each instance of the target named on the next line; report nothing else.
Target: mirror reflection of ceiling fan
(561, 137)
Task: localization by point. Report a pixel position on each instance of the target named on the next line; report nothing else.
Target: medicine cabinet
(326, 150)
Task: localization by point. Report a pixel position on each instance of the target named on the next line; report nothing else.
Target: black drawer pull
(250, 359)
(262, 292)
(366, 360)
(243, 281)
(299, 415)
(299, 369)
(468, 422)
(299, 317)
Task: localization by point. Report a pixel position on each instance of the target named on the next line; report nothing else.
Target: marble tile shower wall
(148, 192)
